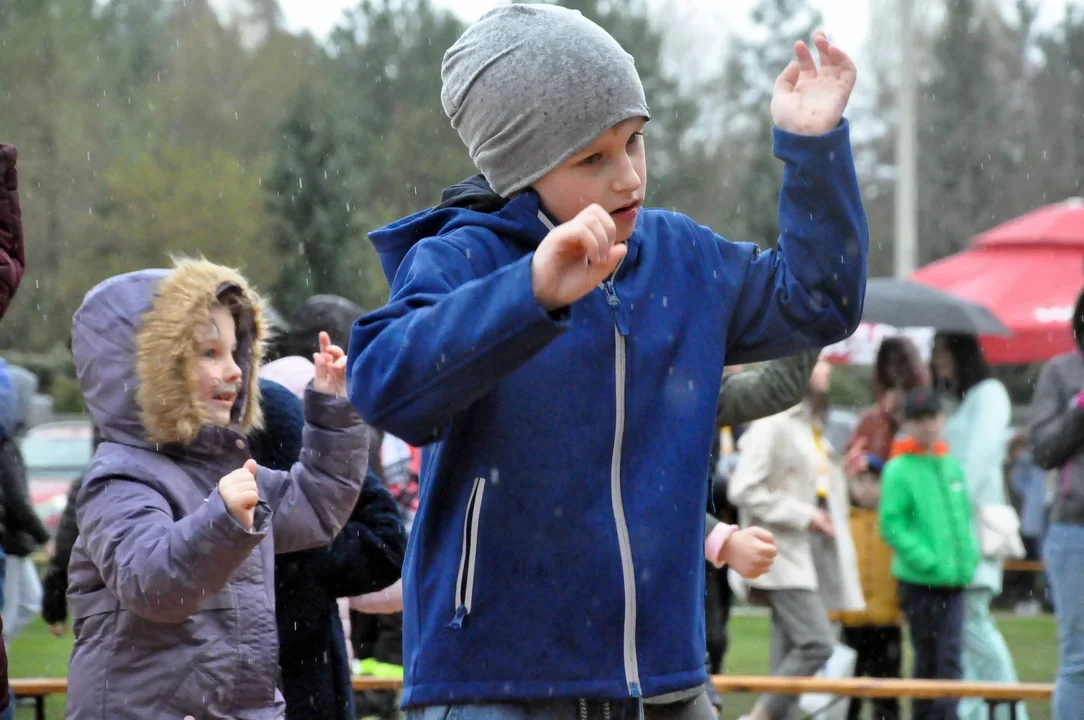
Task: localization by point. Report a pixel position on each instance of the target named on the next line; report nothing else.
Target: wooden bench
(38, 689)
(1025, 566)
(994, 694)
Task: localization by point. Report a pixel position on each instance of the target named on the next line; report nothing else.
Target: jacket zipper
(464, 584)
(628, 571)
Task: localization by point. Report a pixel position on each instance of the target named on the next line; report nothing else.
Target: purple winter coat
(172, 600)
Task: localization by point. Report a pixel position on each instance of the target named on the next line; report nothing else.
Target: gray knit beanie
(528, 86)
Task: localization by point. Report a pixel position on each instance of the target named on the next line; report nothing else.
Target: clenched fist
(750, 551)
(240, 494)
(575, 257)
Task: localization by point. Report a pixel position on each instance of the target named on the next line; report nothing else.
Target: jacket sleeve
(159, 568)
(12, 257)
(368, 554)
(754, 394)
(311, 503)
(982, 451)
(54, 604)
(751, 487)
(444, 340)
(19, 515)
(1057, 421)
(809, 292)
(896, 512)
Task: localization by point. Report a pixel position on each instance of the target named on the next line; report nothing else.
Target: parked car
(55, 453)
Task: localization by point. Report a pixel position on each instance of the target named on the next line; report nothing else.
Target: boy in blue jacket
(558, 350)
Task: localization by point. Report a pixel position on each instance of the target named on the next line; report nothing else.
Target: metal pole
(906, 241)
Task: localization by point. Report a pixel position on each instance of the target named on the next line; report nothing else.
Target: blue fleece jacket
(558, 546)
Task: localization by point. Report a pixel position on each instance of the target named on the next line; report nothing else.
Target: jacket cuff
(715, 543)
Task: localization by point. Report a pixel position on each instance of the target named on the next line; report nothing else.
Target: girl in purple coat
(171, 582)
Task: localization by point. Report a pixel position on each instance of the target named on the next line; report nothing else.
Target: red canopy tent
(1028, 272)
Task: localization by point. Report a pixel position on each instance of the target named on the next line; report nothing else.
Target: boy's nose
(627, 178)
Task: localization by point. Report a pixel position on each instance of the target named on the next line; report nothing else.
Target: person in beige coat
(787, 482)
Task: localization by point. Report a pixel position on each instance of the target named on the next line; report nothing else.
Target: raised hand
(241, 494)
(808, 100)
(575, 256)
(330, 368)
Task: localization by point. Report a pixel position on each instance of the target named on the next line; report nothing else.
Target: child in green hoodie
(925, 516)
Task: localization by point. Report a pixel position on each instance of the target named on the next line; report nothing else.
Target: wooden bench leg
(993, 705)
(39, 707)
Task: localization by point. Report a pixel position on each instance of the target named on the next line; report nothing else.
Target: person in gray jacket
(171, 580)
(1057, 443)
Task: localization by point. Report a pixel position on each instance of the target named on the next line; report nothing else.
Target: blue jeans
(1063, 552)
(559, 709)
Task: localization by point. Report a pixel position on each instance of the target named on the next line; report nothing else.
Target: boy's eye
(211, 353)
(591, 159)
(635, 138)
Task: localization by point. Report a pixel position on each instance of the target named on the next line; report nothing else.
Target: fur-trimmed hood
(132, 339)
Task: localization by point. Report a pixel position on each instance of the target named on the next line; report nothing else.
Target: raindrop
(665, 302)
(300, 184)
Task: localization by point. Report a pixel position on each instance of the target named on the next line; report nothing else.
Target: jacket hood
(132, 339)
(918, 374)
(1078, 321)
(469, 203)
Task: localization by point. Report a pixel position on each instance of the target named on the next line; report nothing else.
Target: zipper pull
(460, 615)
(621, 318)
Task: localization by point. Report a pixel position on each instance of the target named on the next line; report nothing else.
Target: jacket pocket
(464, 584)
(197, 696)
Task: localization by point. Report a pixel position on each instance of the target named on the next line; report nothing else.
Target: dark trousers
(717, 601)
(379, 637)
(936, 619)
(880, 655)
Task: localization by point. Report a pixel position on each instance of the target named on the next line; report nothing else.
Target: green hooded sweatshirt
(926, 516)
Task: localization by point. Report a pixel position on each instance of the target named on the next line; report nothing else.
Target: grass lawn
(1033, 641)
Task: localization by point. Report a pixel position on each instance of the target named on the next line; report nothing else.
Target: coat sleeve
(1057, 420)
(751, 487)
(12, 256)
(311, 503)
(809, 292)
(896, 512)
(981, 450)
(19, 515)
(444, 340)
(368, 554)
(54, 604)
(159, 568)
(754, 394)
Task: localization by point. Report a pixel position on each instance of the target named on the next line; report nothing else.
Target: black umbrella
(902, 303)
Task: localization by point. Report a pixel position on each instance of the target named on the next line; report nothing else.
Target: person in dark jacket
(366, 555)
(24, 532)
(12, 258)
(12, 263)
(1057, 444)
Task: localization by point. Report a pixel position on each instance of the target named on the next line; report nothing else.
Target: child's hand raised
(808, 101)
(575, 257)
(241, 494)
(330, 368)
(750, 551)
